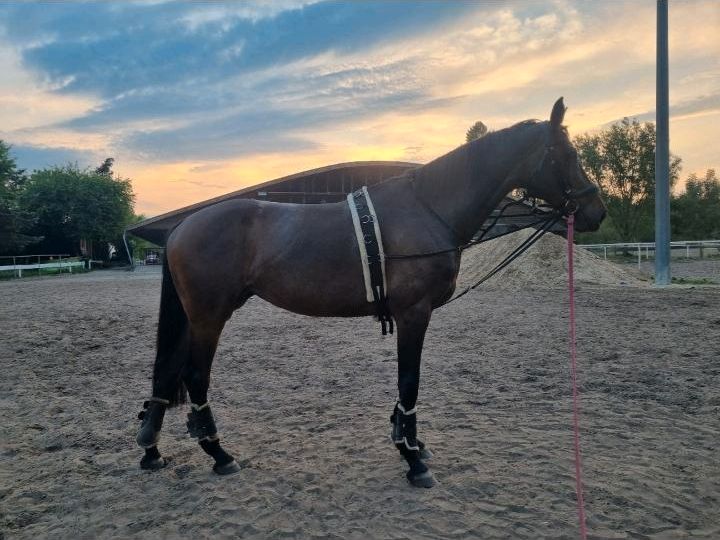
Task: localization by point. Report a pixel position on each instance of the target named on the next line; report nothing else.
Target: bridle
(571, 197)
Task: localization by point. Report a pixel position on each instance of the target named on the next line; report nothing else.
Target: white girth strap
(361, 242)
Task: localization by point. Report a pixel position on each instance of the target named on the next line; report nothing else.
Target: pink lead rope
(573, 365)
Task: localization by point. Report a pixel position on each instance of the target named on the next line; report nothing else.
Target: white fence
(33, 262)
(686, 248)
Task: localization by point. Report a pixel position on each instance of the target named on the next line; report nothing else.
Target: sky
(194, 100)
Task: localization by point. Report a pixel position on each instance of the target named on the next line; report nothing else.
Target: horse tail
(172, 342)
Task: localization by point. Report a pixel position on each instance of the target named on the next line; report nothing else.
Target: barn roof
(325, 184)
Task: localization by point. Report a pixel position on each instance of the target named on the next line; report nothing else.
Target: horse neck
(466, 185)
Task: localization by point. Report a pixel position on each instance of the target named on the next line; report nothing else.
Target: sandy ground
(708, 269)
(304, 403)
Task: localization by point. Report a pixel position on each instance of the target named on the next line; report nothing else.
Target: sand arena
(304, 405)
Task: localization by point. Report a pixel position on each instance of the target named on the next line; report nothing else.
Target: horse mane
(494, 141)
(504, 135)
(462, 164)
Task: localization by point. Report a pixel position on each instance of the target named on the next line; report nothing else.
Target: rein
(545, 226)
(536, 210)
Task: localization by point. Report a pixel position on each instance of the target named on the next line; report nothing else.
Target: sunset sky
(196, 100)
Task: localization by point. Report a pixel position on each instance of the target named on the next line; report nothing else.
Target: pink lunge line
(573, 365)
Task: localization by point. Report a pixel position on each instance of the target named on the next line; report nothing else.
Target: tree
(477, 130)
(106, 167)
(621, 160)
(696, 212)
(73, 205)
(14, 222)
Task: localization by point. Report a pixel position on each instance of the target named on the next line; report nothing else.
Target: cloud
(700, 106)
(200, 183)
(32, 158)
(26, 103)
(264, 128)
(108, 49)
(176, 90)
(188, 81)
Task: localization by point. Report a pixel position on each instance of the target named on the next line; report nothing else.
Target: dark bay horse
(304, 258)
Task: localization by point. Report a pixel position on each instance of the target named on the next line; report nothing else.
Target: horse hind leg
(152, 417)
(171, 356)
(196, 375)
(168, 391)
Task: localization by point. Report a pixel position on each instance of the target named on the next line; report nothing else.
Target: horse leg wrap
(404, 429)
(404, 435)
(152, 419)
(200, 423)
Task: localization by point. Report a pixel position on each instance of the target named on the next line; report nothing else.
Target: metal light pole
(662, 152)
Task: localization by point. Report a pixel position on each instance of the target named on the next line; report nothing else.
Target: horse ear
(557, 114)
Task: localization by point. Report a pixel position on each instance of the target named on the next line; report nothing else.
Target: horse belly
(319, 290)
(311, 265)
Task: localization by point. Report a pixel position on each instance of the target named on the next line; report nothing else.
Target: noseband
(571, 198)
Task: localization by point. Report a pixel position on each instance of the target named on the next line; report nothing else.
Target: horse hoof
(229, 468)
(423, 480)
(425, 454)
(153, 464)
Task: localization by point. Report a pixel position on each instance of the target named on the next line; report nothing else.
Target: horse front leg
(196, 375)
(411, 326)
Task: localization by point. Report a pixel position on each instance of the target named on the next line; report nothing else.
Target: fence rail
(22, 263)
(644, 248)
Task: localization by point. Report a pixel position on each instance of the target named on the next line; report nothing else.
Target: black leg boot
(404, 435)
(201, 425)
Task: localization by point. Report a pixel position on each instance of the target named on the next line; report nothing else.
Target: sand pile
(543, 265)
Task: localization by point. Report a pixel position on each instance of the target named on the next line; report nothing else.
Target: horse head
(560, 179)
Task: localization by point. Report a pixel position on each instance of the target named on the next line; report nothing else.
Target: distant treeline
(62, 209)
